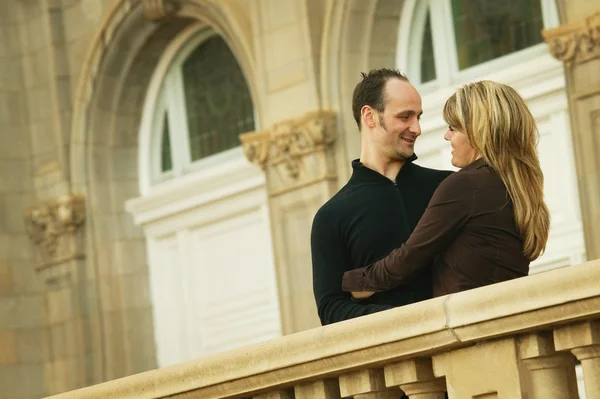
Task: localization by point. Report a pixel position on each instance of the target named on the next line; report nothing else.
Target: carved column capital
(49, 223)
(156, 10)
(576, 42)
(289, 141)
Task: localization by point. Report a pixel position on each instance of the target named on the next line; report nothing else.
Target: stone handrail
(517, 339)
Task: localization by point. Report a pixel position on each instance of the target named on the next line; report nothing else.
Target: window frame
(166, 94)
(410, 41)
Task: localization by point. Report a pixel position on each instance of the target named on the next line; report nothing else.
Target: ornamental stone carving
(53, 228)
(288, 142)
(157, 10)
(576, 42)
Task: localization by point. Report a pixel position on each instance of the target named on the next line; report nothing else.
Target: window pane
(165, 159)
(218, 102)
(427, 59)
(488, 29)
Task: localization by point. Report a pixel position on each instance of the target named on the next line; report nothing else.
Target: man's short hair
(370, 90)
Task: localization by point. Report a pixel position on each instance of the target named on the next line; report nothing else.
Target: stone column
(577, 44)
(490, 370)
(583, 340)
(415, 377)
(552, 374)
(299, 163)
(367, 384)
(56, 230)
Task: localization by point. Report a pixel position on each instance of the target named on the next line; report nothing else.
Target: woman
(486, 222)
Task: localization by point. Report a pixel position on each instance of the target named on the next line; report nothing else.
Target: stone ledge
(434, 326)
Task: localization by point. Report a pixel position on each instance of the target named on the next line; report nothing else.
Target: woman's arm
(447, 212)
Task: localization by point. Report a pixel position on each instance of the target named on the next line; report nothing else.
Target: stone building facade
(162, 160)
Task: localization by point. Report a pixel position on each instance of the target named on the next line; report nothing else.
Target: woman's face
(462, 152)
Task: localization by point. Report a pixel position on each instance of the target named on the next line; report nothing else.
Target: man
(380, 205)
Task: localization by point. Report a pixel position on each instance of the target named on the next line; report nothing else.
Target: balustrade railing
(518, 339)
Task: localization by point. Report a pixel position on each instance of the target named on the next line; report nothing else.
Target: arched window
(203, 106)
(442, 41)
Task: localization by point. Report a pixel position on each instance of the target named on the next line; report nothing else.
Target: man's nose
(415, 128)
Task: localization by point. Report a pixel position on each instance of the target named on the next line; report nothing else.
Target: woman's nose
(447, 135)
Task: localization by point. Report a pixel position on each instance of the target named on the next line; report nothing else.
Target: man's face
(397, 127)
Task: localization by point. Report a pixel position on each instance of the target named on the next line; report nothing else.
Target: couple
(408, 233)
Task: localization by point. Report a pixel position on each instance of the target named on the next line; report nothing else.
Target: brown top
(468, 231)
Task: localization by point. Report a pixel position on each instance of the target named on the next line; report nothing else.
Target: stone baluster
(415, 377)
(552, 374)
(323, 389)
(583, 340)
(488, 370)
(367, 384)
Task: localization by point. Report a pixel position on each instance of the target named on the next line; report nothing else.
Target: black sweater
(368, 218)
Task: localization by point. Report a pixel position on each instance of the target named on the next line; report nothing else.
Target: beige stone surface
(583, 340)
(72, 76)
(480, 365)
(276, 395)
(486, 368)
(552, 374)
(8, 348)
(580, 20)
(323, 389)
(415, 377)
(6, 285)
(477, 313)
(361, 382)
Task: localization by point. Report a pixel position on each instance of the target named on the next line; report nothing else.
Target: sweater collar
(364, 174)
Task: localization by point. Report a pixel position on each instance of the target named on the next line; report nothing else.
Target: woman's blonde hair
(502, 130)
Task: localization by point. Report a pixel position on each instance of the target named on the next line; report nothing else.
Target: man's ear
(367, 114)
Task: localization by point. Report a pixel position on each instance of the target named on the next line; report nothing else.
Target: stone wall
(22, 332)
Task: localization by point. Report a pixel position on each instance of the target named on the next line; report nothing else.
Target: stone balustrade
(518, 339)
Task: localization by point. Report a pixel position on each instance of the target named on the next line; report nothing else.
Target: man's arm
(330, 261)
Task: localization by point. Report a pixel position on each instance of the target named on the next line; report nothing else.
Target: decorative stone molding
(289, 141)
(157, 10)
(576, 42)
(53, 227)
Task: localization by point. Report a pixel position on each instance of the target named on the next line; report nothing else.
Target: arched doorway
(203, 205)
(221, 193)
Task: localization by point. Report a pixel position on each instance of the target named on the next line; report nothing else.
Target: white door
(212, 275)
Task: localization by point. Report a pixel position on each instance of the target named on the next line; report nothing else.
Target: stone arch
(126, 30)
(104, 167)
(359, 35)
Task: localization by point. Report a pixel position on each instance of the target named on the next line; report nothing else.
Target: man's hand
(362, 294)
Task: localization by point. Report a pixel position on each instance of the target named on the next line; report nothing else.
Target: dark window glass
(166, 163)
(218, 102)
(488, 29)
(427, 58)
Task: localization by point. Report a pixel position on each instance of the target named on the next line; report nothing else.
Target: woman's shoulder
(470, 183)
(460, 183)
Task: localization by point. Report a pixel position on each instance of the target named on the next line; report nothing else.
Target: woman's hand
(362, 294)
